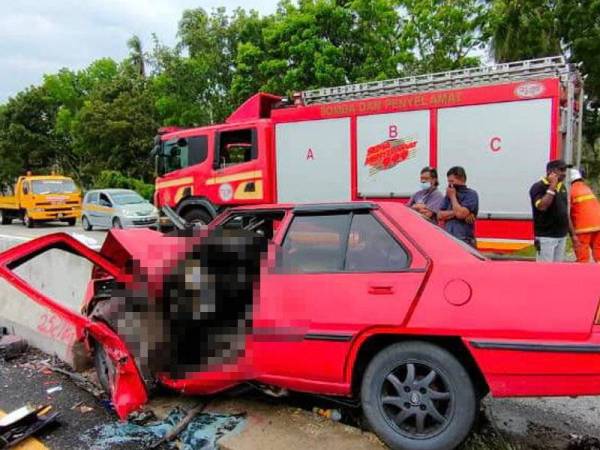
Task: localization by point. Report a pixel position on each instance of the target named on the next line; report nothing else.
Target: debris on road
(333, 414)
(23, 423)
(53, 389)
(181, 425)
(81, 380)
(202, 431)
(12, 346)
(578, 442)
(85, 409)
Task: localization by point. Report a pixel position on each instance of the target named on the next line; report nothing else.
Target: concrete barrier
(59, 275)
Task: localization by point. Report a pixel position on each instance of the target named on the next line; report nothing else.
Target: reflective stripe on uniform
(583, 198)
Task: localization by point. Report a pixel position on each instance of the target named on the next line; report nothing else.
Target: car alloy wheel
(415, 399)
(418, 396)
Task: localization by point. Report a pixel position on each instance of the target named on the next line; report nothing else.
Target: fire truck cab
(370, 141)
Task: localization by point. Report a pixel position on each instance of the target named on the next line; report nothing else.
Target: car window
(235, 147)
(314, 244)
(263, 224)
(92, 197)
(127, 198)
(104, 201)
(371, 248)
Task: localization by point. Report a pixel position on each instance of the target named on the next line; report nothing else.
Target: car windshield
(53, 187)
(127, 198)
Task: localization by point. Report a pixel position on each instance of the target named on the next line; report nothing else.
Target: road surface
(18, 231)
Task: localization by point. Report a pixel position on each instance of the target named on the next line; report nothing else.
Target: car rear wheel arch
(374, 344)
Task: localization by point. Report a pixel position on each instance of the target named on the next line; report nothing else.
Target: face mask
(425, 185)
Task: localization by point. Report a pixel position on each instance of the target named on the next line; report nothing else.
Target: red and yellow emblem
(389, 154)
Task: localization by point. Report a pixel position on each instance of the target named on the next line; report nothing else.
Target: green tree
(137, 56)
(524, 29)
(115, 127)
(443, 34)
(27, 139)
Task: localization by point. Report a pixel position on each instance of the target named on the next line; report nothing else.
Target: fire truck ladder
(506, 72)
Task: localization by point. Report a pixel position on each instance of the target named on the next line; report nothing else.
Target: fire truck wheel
(197, 217)
(418, 396)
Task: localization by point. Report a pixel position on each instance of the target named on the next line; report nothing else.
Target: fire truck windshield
(180, 153)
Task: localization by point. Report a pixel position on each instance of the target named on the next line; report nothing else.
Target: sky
(38, 37)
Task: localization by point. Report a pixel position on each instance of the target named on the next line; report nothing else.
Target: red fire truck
(369, 141)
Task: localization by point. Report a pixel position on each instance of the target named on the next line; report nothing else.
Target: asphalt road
(524, 424)
(19, 231)
(21, 385)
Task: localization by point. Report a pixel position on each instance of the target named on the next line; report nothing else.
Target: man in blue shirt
(460, 207)
(428, 199)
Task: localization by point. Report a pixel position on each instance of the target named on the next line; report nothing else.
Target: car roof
(112, 191)
(311, 207)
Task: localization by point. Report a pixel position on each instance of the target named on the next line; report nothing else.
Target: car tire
(85, 223)
(5, 219)
(198, 217)
(28, 221)
(417, 396)
(105, 368)
(116, 223)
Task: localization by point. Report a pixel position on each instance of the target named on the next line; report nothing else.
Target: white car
(117, 208)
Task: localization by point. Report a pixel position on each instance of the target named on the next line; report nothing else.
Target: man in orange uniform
(585, 215)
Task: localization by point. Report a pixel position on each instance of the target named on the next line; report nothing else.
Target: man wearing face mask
(427, 200)
(460, 207)
(550, 208)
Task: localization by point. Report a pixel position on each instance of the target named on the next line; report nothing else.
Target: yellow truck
(37, 199)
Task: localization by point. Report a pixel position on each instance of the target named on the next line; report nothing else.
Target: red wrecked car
(362, 300)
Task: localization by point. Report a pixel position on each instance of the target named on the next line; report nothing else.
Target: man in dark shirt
(550, 207)
(460, 207)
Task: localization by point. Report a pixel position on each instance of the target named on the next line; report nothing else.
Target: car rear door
(336, 275)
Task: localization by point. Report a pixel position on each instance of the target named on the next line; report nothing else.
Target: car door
(105, 210)
(90, 208)
(336, 275)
